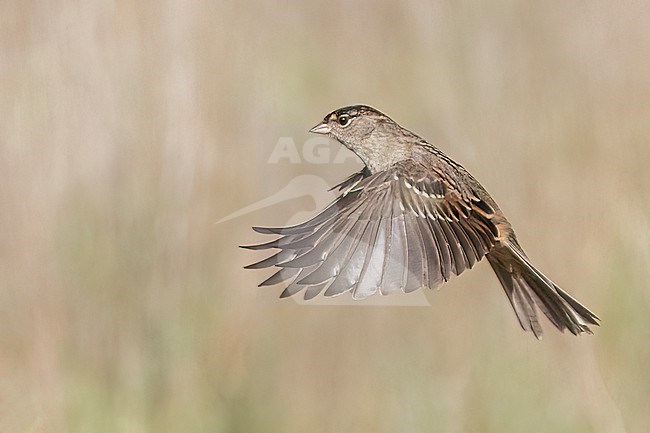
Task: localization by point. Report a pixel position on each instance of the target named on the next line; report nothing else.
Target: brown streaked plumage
(410, 219)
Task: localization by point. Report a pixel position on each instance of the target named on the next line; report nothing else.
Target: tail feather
(528, 290)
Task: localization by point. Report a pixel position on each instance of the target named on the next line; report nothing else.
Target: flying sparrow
(409, 219)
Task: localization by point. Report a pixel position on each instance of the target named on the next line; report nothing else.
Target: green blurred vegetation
(128, 128)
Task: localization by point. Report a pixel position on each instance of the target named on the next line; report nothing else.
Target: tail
(528, 289)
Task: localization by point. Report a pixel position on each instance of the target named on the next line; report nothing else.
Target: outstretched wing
(396, 230)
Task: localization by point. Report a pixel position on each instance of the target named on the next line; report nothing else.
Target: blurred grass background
(128, 128)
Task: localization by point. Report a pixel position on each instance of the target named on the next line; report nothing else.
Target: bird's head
(351, 125)
(374, 137)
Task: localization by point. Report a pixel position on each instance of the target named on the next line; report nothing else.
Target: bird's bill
(321, 128)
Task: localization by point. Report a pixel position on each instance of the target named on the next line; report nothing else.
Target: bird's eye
(344, 120)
